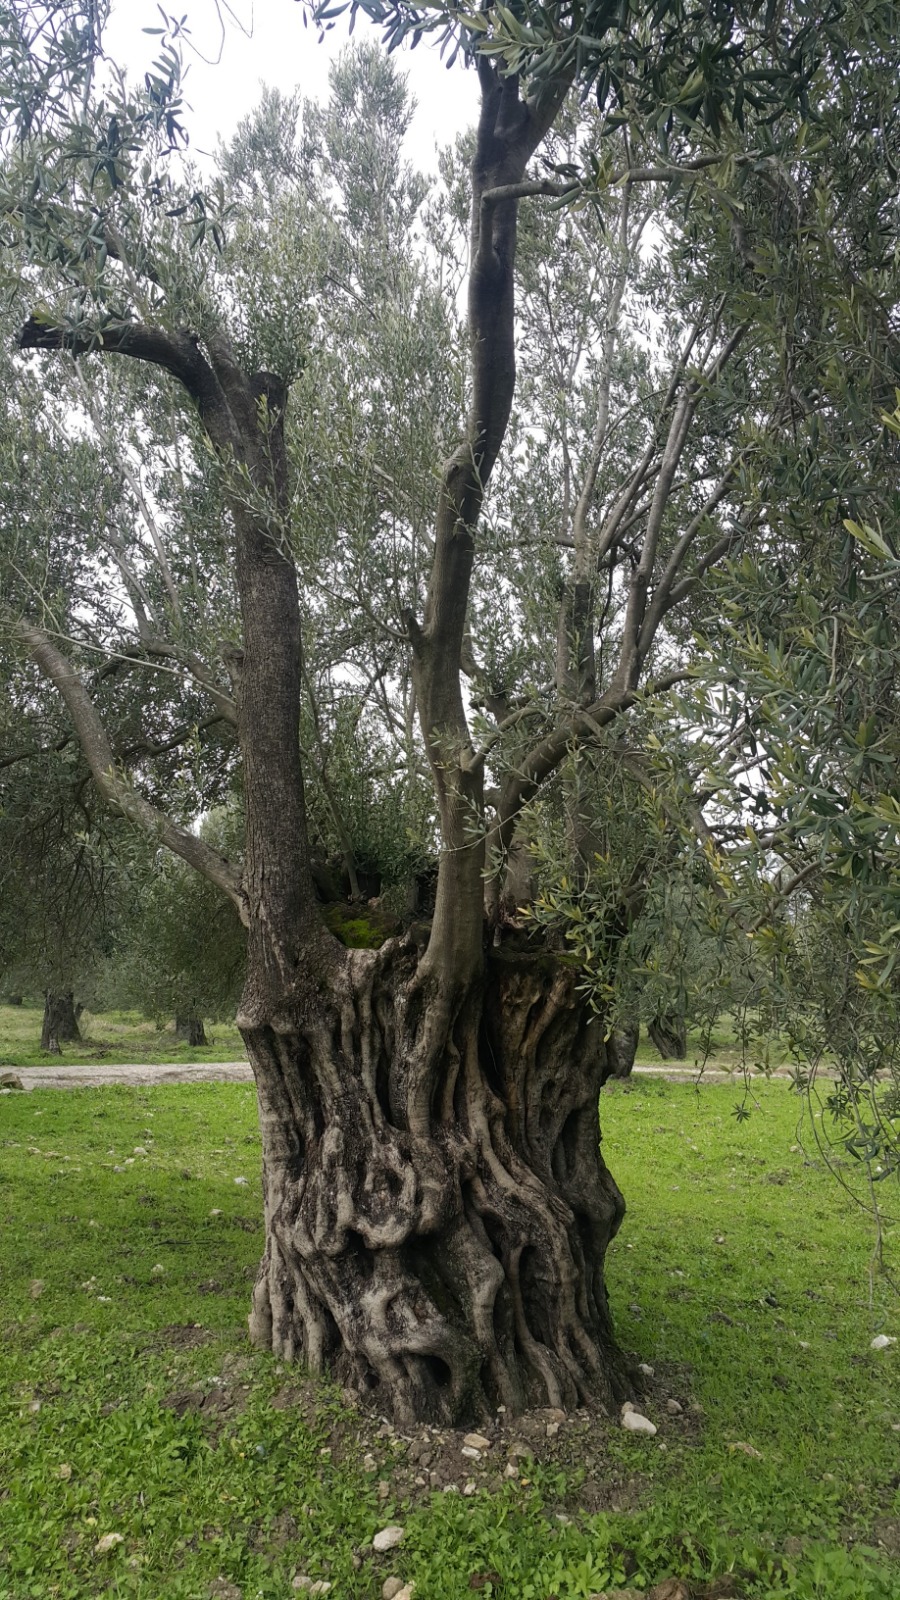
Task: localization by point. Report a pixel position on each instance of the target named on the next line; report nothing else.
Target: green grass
(110, 1038)
(737, 1246)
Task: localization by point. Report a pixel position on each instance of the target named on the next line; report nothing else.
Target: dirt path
(83, 1075)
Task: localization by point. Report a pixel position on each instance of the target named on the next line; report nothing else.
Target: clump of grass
(127, 1250)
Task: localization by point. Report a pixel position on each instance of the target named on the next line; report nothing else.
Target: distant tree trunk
(621, 1049)
(189, 1029)
(668, 1031)
(60, 1024)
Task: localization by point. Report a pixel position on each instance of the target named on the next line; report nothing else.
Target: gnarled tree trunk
(437, 1207)
(60, 1023)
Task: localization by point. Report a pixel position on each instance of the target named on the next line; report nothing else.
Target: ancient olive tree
(437, 1207)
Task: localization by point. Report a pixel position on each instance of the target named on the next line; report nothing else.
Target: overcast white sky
(269, 44)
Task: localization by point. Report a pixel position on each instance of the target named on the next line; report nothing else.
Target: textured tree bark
(60, 1023)
(190, 1030)
(437, 1207)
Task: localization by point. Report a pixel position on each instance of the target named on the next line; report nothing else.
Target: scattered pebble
(635, 1423)
(674, 1408)
(469, 1489)
(388, 1538)
(36, 1288)
(242, 1182)
(477, 1441)
(881, 1341)
(64, 1471)
(646, 1369)
(471, 1454)
(139, 1150)
(216, 1211)
(108, 1542)
(391, 1588)
(158, 1270)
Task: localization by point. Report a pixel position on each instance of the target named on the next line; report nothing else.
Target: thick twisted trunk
(437, 1208)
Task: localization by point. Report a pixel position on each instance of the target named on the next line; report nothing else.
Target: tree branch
(112, 783)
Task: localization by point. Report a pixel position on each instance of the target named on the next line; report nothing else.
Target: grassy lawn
(131, 1404)
(112, 1037)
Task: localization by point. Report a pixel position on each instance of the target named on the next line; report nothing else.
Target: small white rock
(477, 1441)
(391, 1588)
(469, 1489)
(803, 1343)
(139, 1150)
(646, 1369)
(301, 1583)
(216, 1211)
(321, 1586)
(157, 1271)
(388, 1538)
(674, 1408)
(510, 1471)
(552, 1430)
(406, 1593)
(626, 1407)
(108, 1542)
(242, 1182)
(635, 1423)
(881, 1341)
(369, 1464)
(470, 1453)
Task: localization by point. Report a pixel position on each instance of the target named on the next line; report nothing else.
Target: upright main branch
(510, 129)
